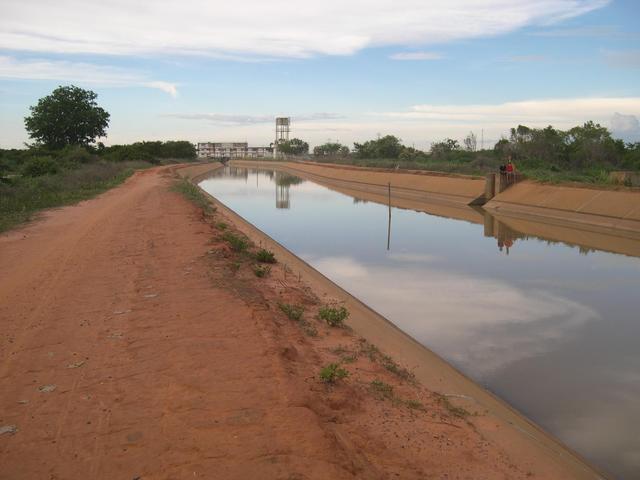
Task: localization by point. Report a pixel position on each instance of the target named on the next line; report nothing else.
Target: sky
(344, 70)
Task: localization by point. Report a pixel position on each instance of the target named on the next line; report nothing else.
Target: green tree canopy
(388, 146)
(441, 149)
(331, 149)
(68, 116)
(295, 146)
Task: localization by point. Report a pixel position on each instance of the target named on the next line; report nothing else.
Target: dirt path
(134, 344)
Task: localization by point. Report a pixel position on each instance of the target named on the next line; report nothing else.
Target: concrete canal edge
(506, 427)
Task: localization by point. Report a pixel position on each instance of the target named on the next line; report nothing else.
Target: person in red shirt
(511, 170)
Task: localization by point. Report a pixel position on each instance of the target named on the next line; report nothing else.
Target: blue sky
(344, 70)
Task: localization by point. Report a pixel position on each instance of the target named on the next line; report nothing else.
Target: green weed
(265, 256)
(334, 316)
(382, 389)
(293, 312)
(261, 271)
(309, 329)
(332, 372)
(414, 404)
(451, 408)
(393, 367)
(194, 195)
(237, 243)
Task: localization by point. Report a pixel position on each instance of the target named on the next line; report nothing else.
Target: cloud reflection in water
(480, 324)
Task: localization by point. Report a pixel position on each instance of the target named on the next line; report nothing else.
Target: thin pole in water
(389, 225)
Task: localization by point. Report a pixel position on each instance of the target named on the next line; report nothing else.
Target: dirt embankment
(136, 344)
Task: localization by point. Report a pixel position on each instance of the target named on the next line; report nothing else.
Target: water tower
(282, 132)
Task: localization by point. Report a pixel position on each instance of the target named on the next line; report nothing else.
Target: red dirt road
(128, 351)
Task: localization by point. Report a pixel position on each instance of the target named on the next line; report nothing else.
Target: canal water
(554, 329)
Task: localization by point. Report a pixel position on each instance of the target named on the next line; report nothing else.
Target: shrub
(38, 166)
(265, 256)
(294, 312)
(238, 243)
(261, 271)
(332, 373)
(334, 316)
(75, 155)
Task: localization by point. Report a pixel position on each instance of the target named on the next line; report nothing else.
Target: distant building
(231, 150)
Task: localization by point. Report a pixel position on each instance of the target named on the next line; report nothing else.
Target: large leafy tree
(388, 146)
(295, 146)
(68, 116)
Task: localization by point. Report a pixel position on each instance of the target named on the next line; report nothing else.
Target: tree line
(64, 127)
(584, 147)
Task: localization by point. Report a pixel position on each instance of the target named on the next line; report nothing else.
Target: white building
(231, 150)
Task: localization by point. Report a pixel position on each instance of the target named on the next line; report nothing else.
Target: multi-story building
(231, 150)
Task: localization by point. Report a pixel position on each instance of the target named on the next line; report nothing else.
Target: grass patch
(237, 243)
(293, 312)
(261, 271)
(451, 408)
(346, 355)
(334, 316)
(193, 194)
(375, 355)
(382, 389)
(309, 329)
(390, 364)
(333, 372)
(370, 350)
(414, 405)
(221, 226)
(265, 256)
(22, 196)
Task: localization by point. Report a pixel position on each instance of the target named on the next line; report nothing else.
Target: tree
(331, 149)
(68, 116)
(470, 142)
(443, 148)
(388, 146)
(295, 146)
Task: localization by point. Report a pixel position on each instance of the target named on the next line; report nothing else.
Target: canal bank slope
(514, 435)
(596, 208)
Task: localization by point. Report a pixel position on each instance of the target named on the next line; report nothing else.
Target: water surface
(551, 328)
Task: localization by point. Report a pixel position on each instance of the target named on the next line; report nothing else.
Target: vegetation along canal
(551, 328)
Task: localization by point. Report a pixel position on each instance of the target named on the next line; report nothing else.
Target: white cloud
(240, 119)
(558, 112)
(166, 87)
(83, 73)
(626, 127)
(276, 28)
(416, 56)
